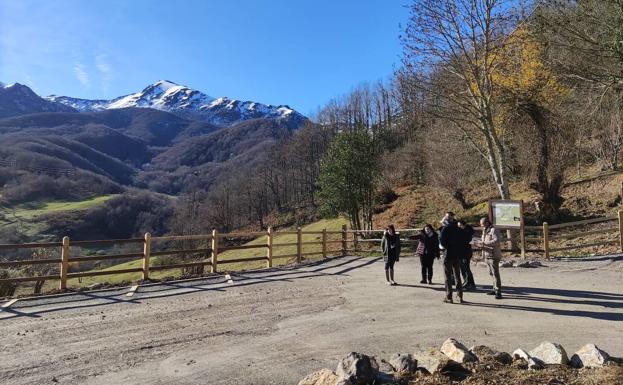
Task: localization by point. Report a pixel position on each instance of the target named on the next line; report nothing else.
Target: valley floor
(274, 327)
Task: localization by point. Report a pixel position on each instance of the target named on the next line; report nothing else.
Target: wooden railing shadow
(80, 300)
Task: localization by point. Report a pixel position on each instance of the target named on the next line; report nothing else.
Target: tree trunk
(548, 186)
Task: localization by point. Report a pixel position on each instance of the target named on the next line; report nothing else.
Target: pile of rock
(521, 263)
(452, 359)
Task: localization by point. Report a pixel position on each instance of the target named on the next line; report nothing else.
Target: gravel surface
(274, 327)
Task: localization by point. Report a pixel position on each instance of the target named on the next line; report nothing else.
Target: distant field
(24, 215)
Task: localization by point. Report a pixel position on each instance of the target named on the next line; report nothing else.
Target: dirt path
(275, 327)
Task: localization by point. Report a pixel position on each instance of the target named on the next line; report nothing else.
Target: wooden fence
(540, 239)
(546, 235)
(210, 255)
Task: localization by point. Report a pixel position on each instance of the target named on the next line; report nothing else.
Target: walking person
(390, 244)
(492, 253)
(466, 256)
(428, 250)
(451, 239)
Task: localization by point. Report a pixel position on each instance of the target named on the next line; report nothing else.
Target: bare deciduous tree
(451, 50)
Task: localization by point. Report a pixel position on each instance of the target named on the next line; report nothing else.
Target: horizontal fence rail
(206, 253)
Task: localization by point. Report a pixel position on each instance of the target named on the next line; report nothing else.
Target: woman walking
(428, 250)
(390, 244)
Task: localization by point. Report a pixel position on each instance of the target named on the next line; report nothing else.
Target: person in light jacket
(492, 254)
(390, 244)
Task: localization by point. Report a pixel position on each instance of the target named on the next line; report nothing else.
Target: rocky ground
(275, 327)
(454, 363)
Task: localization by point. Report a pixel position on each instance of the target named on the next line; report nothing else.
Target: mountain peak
(164, 84)
(18, 99)
(188, 103)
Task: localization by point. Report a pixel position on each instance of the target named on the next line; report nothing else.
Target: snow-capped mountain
(188, 103)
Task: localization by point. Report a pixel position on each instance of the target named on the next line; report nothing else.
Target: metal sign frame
(520, 226)
(520, 223)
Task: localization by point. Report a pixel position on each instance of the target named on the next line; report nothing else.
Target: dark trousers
(466, 272)
(452, 269)
(427, 267)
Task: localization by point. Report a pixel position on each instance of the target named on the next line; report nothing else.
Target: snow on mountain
(189, 103)
(82, 105)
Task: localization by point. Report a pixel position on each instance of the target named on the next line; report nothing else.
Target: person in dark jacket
(451, 239)
(390, 244)
(428, 250)
(466, 257)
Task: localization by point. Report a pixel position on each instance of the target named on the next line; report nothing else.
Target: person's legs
(391, 275)
(429, 264)
(494, 272)
(387, 271)
(468, 276)
(497, 281)
(447, 268)
(463, 270)
(456, 267)
(424, 267)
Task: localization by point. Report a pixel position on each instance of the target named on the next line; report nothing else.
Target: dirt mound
(487, 374)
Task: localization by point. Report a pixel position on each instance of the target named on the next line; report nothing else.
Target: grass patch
(24, 217)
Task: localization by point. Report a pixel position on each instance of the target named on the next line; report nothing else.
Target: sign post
(508, 214)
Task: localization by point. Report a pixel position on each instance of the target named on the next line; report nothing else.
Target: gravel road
(274, 327)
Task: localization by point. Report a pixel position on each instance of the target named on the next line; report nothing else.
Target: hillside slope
(593, 195)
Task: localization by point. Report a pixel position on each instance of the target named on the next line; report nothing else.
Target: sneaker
(422, 281)
(394, 283)
(461, 300)
(447, 300)
(388, 283)
(491, 292)
(430, 282)
(498, 296)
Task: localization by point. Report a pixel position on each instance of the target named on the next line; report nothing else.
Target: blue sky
(296, 52)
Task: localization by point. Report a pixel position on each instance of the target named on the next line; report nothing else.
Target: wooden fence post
(146, 255)
(324, 243)
(269, 247)
(214, 268)
(64, 263)
(299, 245)
(621, 229)
(546, 239)
(343, 240)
